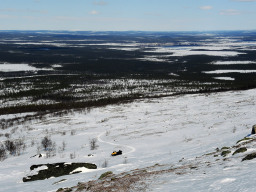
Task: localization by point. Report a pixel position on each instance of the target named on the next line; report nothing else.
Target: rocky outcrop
(56, 170)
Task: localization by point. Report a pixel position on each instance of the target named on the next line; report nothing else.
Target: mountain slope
(169, 131)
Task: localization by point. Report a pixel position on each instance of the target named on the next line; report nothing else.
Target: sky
(128, 15)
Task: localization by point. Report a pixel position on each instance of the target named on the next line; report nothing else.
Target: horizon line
(64, 30)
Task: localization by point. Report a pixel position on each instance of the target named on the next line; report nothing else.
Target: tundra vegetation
(70, 75)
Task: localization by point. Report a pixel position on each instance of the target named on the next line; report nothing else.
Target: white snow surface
(185, 51)
(225, 78)
(82, 169)
(232, 62)
(8, 67)
(229, 71)
(148, 131)
(16, 67)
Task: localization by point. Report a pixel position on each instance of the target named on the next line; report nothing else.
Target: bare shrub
(73, 155)
(51, 150)
(63, 147)
(3, 154)
(234, 129)
(14, 130)
(105, 163)
(46, 142)
(10, 146)
(15, 147)
(93, 144)
(32, 143)
(64, 144)
(63, 133)
(107, 133)
(73, 132)
(20, 146)
(125, 160)
(46, 131)
(104, 120)
(38, 149)
(62, 155)
(47, 155)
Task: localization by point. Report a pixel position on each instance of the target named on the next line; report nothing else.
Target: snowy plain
(149, 132)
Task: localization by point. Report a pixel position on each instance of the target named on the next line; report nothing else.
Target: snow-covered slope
(149, 132)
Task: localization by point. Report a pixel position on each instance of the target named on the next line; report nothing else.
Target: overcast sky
(124, 15)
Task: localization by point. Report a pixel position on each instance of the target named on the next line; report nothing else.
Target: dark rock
(39, 156)
(249, 157)
(224, 148)
(225, 153)
(106, 174)
(240, 150)
(244, 139)
(56, 170)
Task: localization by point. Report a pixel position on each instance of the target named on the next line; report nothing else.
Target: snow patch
(229, 71)
(173, 74)
(125, 49)
(36, 170)
(225, 78)
(183, 51)
(153, 59)
(232, 62)
(56, 66)
(81, 169)
(8, 67)
(227, 180)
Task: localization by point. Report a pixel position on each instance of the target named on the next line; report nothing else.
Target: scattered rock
(225, 153)
(240, 150)
(244, 139)
(249, 156)
(106, 174)
(37, 155)
(57, 182)
(212, 153)
(64, 190)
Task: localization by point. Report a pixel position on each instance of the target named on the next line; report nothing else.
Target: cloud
(100, 3)
(93, 12)
(207, 7)
(230, 12)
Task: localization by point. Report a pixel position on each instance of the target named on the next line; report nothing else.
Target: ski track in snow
(132, 149)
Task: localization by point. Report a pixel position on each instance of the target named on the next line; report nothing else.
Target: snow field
(148, 131)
